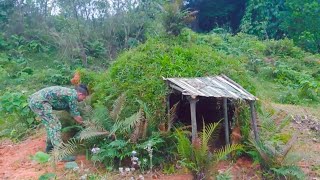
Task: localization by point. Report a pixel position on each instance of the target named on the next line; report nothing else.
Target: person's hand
(78, 119)
(80, 122)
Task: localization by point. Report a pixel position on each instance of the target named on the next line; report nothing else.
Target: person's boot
(49, 147)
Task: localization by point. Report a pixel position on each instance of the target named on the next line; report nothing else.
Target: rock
(71, 166)
(84, 177)
(140, 177)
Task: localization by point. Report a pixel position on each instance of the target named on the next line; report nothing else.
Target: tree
(80, 29)
(301, 22)
(219, 13)
(263, 18)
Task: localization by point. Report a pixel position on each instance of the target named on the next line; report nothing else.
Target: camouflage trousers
(50, 120)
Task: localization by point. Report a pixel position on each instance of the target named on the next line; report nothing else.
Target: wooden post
(168, 105)
(193, 101)
(226, 122)
(254, 120)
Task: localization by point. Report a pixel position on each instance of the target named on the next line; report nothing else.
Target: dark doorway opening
(208, 110)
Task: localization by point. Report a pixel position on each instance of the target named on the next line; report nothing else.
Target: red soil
(15, 161)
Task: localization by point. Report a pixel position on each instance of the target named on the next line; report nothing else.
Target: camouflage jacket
(60, 98)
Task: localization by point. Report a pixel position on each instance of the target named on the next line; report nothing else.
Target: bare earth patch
(15, 162)
(305, 123)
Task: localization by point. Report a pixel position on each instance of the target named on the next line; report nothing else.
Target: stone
(71, 166)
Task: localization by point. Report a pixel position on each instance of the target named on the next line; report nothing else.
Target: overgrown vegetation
(273, 150)
(197, 155)
(123, 49)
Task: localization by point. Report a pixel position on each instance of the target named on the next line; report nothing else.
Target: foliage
(16, 116)
(174, 17)
(65, 149)
(139, 71)
(196, 156)
(41, 157)
(112, 134)
(40, 47)
(301, 23)
(215, 14)
(89, 32)
(278, 19)
(47, 176)
(224, 175)
(273, 148)
(262, 18)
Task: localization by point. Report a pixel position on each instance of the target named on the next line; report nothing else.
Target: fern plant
(273, 148)
(112, 152)
(102, 123)
(196, 156)
(65, 149)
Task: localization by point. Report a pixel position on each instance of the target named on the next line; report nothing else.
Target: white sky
(56, 10)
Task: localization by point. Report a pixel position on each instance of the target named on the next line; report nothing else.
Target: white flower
(95, 150)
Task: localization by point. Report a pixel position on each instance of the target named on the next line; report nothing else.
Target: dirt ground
(16, 164)
(15, 161)
(306, 125)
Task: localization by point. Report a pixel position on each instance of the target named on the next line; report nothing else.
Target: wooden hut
(220, 88)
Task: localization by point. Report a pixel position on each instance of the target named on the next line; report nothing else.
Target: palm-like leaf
(207, 133)
(129, 123)
(198, 158)
(172, 116)
(93, 129)
(65, 149)
(117, 107)
(223, 152)
(184, 145)
(91, 132)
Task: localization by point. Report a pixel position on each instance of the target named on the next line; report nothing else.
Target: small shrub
(174, 17)
(196, 156)
(273, 148)
(41, 157)
(282, 48)
(48, 176)
(226, 175)
(15, 115)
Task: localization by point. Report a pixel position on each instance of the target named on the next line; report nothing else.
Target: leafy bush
(41, 157)
(272, 151)
(174, 17)
(282, 48)
(196, 156)
(16, 116)
(116, 138)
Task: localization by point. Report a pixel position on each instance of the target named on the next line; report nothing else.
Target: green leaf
(47, 176)
(41, 157)
(30, 120)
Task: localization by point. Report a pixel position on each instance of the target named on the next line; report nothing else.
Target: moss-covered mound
(266, 68)
(138, 72)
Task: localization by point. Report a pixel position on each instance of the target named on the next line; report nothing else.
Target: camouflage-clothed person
(53, 98)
